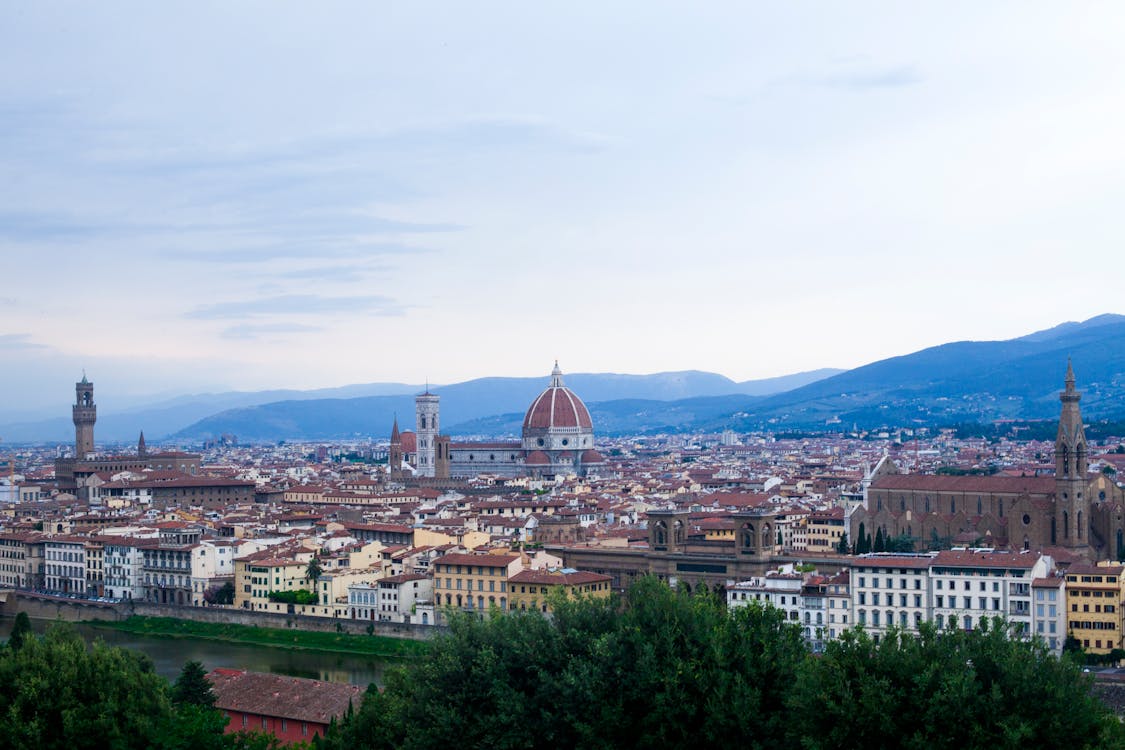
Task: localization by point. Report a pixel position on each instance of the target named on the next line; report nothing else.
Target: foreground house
(290, 708)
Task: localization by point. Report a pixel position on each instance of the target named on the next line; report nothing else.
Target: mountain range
(965, 381)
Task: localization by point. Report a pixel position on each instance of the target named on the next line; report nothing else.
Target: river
(169, 655)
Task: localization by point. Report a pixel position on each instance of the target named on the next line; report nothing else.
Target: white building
(124, 561)
(212, 565)
(890, 589)
(65, 565)
(780, 590)
(1048, 611)
(974, 584)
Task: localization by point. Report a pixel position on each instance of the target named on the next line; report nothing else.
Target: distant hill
(964, 381)
(464, 405)
(164, 417)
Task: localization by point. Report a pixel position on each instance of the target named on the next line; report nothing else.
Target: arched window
(1066, 525)
(1078, 525)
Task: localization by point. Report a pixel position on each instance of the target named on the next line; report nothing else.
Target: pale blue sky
(257, 195)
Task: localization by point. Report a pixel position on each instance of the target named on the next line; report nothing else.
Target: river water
(169, 655)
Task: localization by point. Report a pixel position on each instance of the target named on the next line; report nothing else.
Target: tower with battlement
(85, 414)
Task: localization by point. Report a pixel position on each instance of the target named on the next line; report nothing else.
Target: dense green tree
(56, 693)
(192, 687)
(21, 631)
(842, 546)
(663, 669)
(220, 595)
(950, 689)
(862, 541)
(880, 542)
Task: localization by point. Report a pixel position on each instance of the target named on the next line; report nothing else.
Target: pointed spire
(142, 449)
(84, 380)
(1069, 375)
(395, 436)
(556, 376)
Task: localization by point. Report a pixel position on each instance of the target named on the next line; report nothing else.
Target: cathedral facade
(557, 439)
(1072, 510)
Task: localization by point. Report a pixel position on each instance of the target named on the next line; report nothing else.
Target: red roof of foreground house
(280, 696)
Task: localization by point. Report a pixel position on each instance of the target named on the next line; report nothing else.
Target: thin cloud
(897, 77)
(248, 331)
(298, 304)
(18, 341)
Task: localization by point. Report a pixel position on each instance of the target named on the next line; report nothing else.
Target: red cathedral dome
(557, 406)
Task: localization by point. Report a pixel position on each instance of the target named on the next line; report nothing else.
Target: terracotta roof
(557, 406)
(537, 458)
(971, 559)
(559, 578)
(488, 561)
(280, 696)
(966, 483)
(893, 561)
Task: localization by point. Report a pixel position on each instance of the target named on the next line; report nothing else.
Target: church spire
(556, 376)
(142, 449)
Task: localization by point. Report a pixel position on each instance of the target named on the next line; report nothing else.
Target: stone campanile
(1071, 524)
(426, 407)
(85, 413)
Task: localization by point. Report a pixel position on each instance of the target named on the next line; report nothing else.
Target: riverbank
(304, 640)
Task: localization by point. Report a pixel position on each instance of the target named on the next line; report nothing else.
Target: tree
(220, 595)
(964, 689)
(192, 686)
(880, 542)
(861, 544)
(842, 545)
(313, 571)
(663, 668)
(21, 631)
(56, 693)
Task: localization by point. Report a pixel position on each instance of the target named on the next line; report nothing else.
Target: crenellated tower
(1071, 523)
(85, 414)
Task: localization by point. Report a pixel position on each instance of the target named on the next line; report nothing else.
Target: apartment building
(1094, 598)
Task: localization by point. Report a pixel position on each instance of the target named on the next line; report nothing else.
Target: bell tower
(1072, 507)
(427, 408)
(394, 455)
(85, 413)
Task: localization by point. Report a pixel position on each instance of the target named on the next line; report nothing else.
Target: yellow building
(255, 576)
(532, 589)
(825, 528)
(474, 582)
(1094, 598)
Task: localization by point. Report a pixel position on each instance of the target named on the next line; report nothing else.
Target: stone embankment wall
(45, 607)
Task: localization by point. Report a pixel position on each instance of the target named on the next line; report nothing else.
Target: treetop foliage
(57, 692)
(668, 669)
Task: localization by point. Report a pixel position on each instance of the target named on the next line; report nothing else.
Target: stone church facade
(1072, 510)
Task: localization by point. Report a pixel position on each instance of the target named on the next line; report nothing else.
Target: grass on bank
(307, 640)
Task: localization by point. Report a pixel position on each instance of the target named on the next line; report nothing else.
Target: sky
(212, 196)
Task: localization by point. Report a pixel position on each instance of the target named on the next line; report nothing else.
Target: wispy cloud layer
(297, 304)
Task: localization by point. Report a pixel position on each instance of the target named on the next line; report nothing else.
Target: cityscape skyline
(747, 191)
